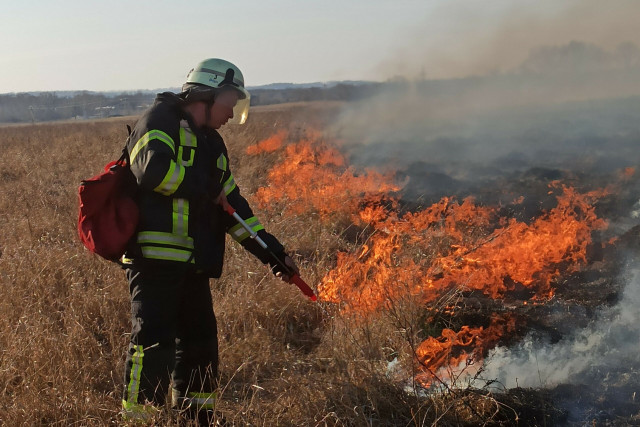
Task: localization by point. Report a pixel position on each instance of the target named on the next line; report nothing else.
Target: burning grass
(409, 296)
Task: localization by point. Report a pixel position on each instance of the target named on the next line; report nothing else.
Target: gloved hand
(287, 271)
(221, 200)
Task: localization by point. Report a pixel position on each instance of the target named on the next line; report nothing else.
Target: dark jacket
(179, 171)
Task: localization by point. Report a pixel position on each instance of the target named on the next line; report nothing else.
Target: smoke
(477, 129)
(491, 89)
(488, 88)
(461, 38)
(600, 351)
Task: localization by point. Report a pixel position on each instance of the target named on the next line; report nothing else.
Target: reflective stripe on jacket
(176, 177)
(240, 204)
(179, 172)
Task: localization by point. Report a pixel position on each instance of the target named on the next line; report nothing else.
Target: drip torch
(294, 277)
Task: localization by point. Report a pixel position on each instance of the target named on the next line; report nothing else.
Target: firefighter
(184, 180)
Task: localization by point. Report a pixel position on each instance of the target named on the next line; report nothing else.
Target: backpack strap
(124, 161)
(124, 158)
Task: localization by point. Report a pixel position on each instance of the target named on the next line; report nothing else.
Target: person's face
(222, 109)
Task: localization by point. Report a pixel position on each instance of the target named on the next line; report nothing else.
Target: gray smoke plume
(609, 346)
(574, 106)
(488, 88)
(460, 38)
(493, 89)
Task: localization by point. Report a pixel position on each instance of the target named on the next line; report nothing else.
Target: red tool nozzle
(294, 277)
(229, 209)
(301, 284)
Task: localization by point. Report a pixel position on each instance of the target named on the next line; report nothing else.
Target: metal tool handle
(293, 276)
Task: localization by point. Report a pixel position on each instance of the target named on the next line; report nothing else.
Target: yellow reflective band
(202, 400)
(172, 180)
(229, 185)
(162, 238)
(253, 222)
(181, 217)
(187, 138)
(222, 162)
(148, 137)
(239, 233)
(183, 162)
(168, 254)
(135, 411)
(136, 372)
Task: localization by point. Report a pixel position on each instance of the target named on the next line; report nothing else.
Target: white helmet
(209, 76)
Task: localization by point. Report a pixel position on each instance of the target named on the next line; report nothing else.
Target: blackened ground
(603, 395)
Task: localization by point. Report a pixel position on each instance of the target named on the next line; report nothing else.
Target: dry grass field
(65, 313)
(284, 360)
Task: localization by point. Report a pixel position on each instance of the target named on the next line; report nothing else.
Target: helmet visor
(241, 111)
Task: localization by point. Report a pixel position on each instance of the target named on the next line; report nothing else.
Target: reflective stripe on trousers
(193, 400)
(136, 370)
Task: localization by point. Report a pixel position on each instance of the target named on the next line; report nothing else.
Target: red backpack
(108, 214)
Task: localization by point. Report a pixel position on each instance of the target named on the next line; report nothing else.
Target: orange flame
(268, 145)
(628, 172)
(440, 357)
(448, 246)
(313, 177)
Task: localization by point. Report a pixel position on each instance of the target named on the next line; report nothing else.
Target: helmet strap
(207, 110)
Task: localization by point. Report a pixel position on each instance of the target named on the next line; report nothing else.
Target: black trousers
(173, 337)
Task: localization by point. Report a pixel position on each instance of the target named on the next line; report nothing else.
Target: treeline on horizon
(51, 106)
(81, 105)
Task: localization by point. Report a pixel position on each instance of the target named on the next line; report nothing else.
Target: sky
(123, 45)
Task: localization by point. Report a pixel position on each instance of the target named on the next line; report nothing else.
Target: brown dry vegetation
(284, 360)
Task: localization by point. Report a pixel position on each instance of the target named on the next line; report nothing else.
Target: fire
(451, 353)
(268, 145)
(313, 177)
(449, 247)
